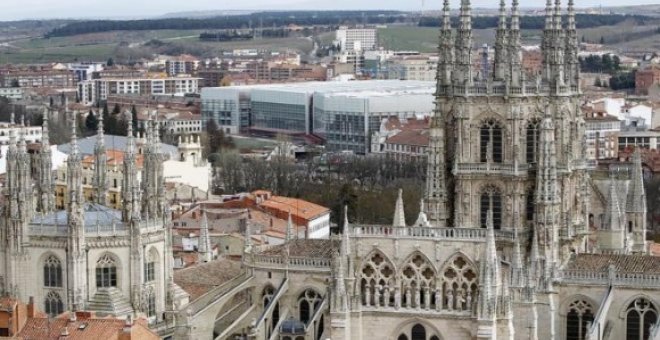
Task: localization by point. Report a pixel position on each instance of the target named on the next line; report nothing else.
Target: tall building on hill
(514, 239)
(88, 256)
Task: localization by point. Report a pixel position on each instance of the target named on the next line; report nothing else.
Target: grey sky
(22, 9)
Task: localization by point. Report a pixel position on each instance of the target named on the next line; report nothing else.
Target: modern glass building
(343, 113)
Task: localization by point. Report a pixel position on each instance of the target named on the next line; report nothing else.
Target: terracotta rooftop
(7, 303)
(82, 329)
(394, 123)
(623, 263)
(198, 280)
(655, 249)
(297, 207)
(114, 157)
(306, 248)
(410, 137)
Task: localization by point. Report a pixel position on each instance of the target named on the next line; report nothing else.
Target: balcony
(491, 168)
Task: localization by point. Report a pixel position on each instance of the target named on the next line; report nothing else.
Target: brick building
(645, 79)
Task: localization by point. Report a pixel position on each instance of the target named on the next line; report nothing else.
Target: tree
(116, 109)
(111, 62)
(15, 83)
(91, 122)
(602, 40)
(134, 118)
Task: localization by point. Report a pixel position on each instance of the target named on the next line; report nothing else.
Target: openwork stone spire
(130, 190)
(464, 45)
(515, 48)
(100, 165)
(399, 213)
(204, 250)
(446, 50)
(636, 201)
(501, 50)
(613, 218)
(45, 201)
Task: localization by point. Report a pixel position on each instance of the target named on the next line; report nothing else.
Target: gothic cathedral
(514, 240)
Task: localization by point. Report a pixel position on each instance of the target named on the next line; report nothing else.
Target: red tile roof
(82, 329)
(198, 280)
(313, 248)
(410, 137)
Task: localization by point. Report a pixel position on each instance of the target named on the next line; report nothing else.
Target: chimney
(72, 317)
(30, 308)
(126, 334)
(65, 332)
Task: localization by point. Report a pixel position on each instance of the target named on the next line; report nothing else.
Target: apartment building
(37, 78)
(96, 90)
(185, 64)
(357, 39)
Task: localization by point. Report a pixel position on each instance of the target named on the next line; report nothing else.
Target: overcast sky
(29, 9)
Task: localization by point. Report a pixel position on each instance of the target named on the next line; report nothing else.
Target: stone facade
(505, 245)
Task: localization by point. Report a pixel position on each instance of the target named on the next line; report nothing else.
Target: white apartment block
(32, 133)
(15, 93)
(92, 91)
(357, 39)
(421, 68)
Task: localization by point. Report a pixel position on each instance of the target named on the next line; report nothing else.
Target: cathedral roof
(622, 263)
(200, 279)
(306, 248)
(95, 215)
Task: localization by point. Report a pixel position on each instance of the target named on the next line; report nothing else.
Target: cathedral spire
(515, 48)
(100, 165)
(488, 285)
(501, 51)
(547, 194)
(445, 52)
(45, 199)
(636, 201)
(74, 169)
(345, 238)
(516, 261)
(130, 188)
(613, 218)
(464, 45)
(572, 48)
(204, 250)
(399, 213)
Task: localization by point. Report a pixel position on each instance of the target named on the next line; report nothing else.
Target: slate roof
(198, 280)
(306, 248)
(95, 214)
(622, 263)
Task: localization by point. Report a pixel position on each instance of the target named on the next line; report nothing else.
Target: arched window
(491, 142)
(52, 272)
(307, 303)
(417, 283)
(491, 199)
(106, 272)
(435, 338)
(579, 316)
(640, 317)
(529, 205)
(402, 337)
(150, 266)
(267, 295)
(151, 303)
(532, 141)
(53, 305)
(418, 332)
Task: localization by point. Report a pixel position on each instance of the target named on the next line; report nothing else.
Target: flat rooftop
(354, 88)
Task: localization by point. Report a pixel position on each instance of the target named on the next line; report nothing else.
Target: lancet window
(52, 272)
(579, 316)
(491, 199)
(106, 272)
(490, 144)
(641, 315)
(308, 302)
(532, 141)
(53, 304)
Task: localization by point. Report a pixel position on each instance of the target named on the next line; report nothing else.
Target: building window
(532, 141)
(529, 205)
(418, 332)
(151, 304)
(640, 317)
(491, 142)
(106, 272)
(149, 272)
(491, 200)
(307, 303)
(52, 272)
(579, 316)
(53, 305)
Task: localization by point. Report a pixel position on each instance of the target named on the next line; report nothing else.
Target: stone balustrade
(494, 168)
(469, 234)
(611, 277)
(293, 261)
(530, 88)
